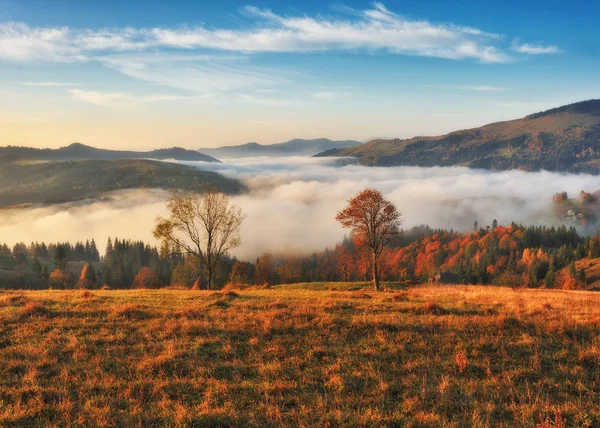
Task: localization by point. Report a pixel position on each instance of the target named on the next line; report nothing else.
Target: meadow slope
(301, 355)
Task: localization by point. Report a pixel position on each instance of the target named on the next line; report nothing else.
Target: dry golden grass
(448, 356)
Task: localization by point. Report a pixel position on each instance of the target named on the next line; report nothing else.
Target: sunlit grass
(300, 355)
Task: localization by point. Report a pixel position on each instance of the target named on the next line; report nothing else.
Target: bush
(146, 278)
(60, 279)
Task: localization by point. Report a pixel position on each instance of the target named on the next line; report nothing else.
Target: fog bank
(293, 201)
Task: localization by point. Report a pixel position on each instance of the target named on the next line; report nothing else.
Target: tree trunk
(210, 275)
(375, 273)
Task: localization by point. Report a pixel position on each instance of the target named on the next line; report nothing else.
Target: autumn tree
(346, 261)
(60, 279)
(240, 273)
(206, 226)
(87, 277)
(264, 270)
(290, 271)
(146, 278)
(373, 221)
(185, 273)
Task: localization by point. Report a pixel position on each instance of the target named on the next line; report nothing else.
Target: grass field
(301, 355)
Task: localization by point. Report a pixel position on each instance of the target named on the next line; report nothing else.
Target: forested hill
(565, 139)
(77, 151)
(53, 182)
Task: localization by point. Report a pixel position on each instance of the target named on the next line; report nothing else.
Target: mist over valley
(291, 202)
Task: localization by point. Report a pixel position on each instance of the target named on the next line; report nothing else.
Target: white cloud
(200, 74)
(120, 99)
(115, 99)
(533, 49)
(19, 42)
(375, 29)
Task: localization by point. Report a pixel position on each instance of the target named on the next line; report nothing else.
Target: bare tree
(373, 221)
(206, 226)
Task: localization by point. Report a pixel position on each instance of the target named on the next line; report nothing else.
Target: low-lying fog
(293, 201)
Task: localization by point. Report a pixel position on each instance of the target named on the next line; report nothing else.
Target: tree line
(79, 251)
(195, 241)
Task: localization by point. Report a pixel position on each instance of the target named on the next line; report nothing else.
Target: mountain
(77, 151)
(565, 139)
(295, 147)
(54, 182)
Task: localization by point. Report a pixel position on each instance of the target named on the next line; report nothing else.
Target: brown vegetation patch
(131, 311)
(230, 294)
(400, 297)
(86, 294)
(490, 312)
(278, 305)
(301, 358)
(509, 322)
(360, 296)
(192, 312)
(590, 357)
(12, 299)
(432, 308)
(33, 308)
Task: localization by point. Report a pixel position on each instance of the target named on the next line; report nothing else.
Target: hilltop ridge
(565, 139)
(295, 147)
(78, 151)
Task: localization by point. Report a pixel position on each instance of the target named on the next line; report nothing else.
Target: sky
(143, 75)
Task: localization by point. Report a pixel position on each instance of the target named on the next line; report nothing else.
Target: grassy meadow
(301, 355)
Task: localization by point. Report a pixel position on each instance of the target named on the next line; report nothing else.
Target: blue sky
(155, 74)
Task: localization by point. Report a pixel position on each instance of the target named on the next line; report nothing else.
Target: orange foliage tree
(373, 221)
(146, 278)
(87, 278)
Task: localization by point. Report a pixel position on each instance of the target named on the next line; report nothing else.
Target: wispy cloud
(534, 49)
(375, 29)
(200, 74)
(114, 99)
(19, 42)
(120, 99)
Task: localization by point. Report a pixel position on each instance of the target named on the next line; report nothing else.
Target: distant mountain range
(565, 139)
(295, 147)
(77, 151)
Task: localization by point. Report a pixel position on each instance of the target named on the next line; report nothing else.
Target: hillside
(77, 151)
(562, 139)
(54, 182)
(292, 356)
(591, 266)
(295, 147)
